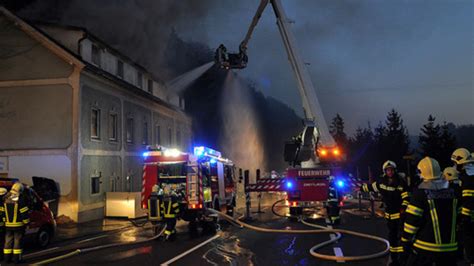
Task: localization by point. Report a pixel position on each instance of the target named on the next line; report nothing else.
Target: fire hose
(321, 230)
(91, 249)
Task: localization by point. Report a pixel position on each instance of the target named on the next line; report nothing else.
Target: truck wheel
(43, 237)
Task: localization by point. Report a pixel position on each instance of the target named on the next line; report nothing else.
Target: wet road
(233, 246)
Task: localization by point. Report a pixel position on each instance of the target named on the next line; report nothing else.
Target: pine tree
(396, 141)
(448, 144)
(361, 151)
(337, 131)
(430, 139)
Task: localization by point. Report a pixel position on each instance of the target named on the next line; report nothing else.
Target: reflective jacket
(430, 223)
(467, 187)
(16, 212)
(2, 213)
(394, 193)
(170, 206)
(154, 207)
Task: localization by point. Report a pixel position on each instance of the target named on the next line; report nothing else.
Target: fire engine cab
(203, 179)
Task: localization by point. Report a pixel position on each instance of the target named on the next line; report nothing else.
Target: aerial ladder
(314, 174)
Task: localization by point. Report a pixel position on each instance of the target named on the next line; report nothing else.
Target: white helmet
(462, 156)
(429, 169)
(450, 173)
(389, 164)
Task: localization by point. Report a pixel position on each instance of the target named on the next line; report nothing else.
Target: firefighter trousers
(14, 243)
(2, 241)
(170, 227)
(394, 238)
(428, 259)
(468, 230)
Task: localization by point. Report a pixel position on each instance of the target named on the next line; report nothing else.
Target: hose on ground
(91, 249)
(321, 230)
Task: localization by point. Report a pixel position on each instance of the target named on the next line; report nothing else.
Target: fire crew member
(154, 207)
(16, 218)
(170, 209)
(465, 166)
(451, 175)
(334, 198)
(429, 233)
(3, 191)
(395, 196)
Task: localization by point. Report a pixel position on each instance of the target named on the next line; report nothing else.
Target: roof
(69, 55)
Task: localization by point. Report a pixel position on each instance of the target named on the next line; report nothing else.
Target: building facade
(79, 112)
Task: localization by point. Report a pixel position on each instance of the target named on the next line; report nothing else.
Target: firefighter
(17, 217)
(154, 207)
(332, 206)
(3, 191)
(451, 175)
(465, 166)
(429, 232)
(170, 210)
(395, 197)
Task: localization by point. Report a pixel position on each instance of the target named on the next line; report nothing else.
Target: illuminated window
(95, 55)
(95, 184)
(95, 123)
(113, 127)
(157, 135)
(130, 130)
(120, 68)
(145, 133)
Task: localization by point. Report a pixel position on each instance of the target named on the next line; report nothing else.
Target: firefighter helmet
(3, 191)
(17, 188)
(429, 169)
(450, 173)
(389, 164)
(461, 156)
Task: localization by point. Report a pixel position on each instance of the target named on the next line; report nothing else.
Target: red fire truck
(203, 179)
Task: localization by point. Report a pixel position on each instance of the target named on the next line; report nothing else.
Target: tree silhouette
(337, 131)
(430, 139)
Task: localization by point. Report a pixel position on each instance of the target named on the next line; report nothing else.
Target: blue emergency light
(145, 154)
(289, 184)
(213, 161)
(340, 183)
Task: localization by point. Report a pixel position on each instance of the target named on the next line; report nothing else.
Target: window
(170, 136)
(157, 135)
(95, 123)
(130, 130)
(120, 68)
(95, 55)
(95, 184)
(178, 137)
(113, 127)
(150, 86)
(145, 133)
(139, 79)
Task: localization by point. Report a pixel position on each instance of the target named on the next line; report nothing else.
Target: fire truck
(314, 173)
(202, 179)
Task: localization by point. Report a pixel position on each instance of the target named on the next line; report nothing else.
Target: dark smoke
(139, 29)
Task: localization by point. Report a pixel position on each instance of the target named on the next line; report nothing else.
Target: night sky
(365, 56)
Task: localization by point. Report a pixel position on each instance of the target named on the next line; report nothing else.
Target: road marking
(190, 250)
(338, 253)
(42, 251)
(93, 238)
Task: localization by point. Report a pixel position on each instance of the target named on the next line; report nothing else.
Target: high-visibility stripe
(435, 221)
(17, 251)
(405, 240)
(6, 211)
(396, 249)
(365, 188)
(388, 188)
(392, 216)
(453, 225)
(17, 224)
(175, 205)
(169, 208)
(26, 221)
(468, 193)
(411, 209)
(405, 203)
(7, 251)
(466, 211)
(374, 186)
(24, 209)
(436, 247)
(410, 228)
(170, 216)
(404, 195)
